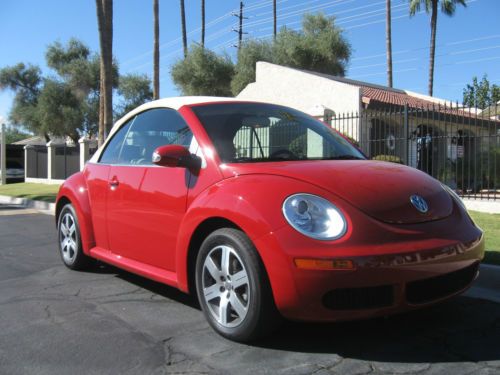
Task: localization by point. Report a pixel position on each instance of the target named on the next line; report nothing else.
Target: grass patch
(490, 223)
(39, 192)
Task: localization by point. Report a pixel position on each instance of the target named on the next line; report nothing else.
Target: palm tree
(388, 42)
(448, 7)
(105, 24)
(203, 23)
(156, 47)
(183, 24)
(275, 20)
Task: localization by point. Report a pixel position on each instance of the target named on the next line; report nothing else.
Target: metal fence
(459, 147)
(36, 162)
(66, 161)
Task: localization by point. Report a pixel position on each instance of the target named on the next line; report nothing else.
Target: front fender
(254, 204)
(75, 190)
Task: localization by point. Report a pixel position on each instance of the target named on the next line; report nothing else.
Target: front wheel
(233, 288)
(70, 243)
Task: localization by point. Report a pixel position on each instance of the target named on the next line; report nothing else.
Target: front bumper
(383, 284)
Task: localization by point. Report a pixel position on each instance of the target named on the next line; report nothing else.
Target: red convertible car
(264, 212)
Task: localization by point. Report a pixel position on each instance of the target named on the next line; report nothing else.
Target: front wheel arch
(201, 232)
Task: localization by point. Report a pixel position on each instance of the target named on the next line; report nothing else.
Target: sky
(468, 44)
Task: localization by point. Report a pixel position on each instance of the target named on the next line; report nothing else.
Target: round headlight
(314, 217)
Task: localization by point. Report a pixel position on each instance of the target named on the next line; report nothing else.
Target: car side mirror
(175, 156)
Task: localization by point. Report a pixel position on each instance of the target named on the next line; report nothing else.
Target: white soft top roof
(173, 103)
(178, 101)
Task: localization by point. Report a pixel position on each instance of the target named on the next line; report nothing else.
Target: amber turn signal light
(324, 264)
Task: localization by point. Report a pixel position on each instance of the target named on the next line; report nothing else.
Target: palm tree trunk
(183, 24)
(433, 44)
(203, 23)
(388, 39)
(156, 56)
(275, 20)
(105, 24)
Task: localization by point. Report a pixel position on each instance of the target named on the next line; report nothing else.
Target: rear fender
(75, 190)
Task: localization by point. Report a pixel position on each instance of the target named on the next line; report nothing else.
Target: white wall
(300, 90)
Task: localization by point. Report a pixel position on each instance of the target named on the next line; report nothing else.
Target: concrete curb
(491, 207)
(45, 207)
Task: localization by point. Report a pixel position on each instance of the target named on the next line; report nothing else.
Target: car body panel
(365, 185)
(143, 219)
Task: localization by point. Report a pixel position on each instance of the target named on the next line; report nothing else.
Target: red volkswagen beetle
(263, 211)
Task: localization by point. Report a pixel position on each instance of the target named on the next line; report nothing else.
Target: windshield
(255, 132)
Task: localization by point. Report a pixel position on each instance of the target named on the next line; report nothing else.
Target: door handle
(113, 184)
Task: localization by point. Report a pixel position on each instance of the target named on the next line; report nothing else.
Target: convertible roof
(179, 101)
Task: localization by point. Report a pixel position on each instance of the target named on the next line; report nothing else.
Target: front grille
(434, 288)
(359, 298)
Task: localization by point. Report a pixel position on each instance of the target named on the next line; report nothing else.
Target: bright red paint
(143, 218)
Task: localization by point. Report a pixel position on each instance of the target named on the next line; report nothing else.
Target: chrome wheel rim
(67, 238)
(226, 288)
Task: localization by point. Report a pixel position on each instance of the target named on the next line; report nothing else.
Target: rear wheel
(233, 288)
(70, 243)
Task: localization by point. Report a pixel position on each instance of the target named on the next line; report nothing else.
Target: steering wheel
(283, 154)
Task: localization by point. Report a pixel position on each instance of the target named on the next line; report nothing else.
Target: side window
(111, 154)
(151, 129)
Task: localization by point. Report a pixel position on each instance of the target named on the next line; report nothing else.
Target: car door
(145, 202)
(96, 176)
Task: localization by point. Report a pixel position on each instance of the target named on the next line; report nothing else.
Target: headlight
(314, 217)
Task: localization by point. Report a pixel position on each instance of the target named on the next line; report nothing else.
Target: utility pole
(3, 157)
(275, 20)
(240, 29)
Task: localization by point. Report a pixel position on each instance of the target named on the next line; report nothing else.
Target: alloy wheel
(226, 286)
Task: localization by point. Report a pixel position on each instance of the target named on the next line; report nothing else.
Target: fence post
(84, 151)
(51, 157)
(3, 157)
(26, 161)
(406, 128)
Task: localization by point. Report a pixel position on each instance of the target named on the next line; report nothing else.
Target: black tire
(68, 229)
(260, 316)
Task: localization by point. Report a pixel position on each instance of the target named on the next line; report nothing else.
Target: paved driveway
(56, 321)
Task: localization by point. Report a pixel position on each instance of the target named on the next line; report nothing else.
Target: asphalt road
(57, 321)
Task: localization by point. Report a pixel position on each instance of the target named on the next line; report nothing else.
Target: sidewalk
(490, 207)
(44, 207)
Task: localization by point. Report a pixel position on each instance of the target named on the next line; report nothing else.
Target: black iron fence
(459, 147)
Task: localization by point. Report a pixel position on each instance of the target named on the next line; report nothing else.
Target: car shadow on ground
(459, 330)
(154, 287)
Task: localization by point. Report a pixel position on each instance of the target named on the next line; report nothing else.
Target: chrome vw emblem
(419, 203)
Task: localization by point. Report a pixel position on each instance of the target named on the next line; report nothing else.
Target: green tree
(26, 81)
(244, 71)
(320, 46)
(59, 110)
(13, 134)
(448, 7)
(481, 94)
(134, 89)
(202, 72)
(67, 103)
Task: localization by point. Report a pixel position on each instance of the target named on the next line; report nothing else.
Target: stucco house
(422, 131)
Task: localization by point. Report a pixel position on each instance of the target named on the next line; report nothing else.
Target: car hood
(380, 189)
